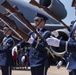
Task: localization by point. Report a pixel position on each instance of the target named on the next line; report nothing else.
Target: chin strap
(38, 23)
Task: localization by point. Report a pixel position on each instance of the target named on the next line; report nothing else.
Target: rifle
(33, 2)
(12, 25)
(20, 15)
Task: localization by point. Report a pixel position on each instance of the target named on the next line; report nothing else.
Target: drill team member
(38, 57)
(6, 59)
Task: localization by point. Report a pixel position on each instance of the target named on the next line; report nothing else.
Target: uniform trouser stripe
(9, 70)
(44, 70)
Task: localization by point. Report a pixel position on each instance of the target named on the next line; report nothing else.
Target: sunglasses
(39, 19)
(4, 29)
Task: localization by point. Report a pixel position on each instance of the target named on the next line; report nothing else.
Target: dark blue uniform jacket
(6, 51)
(37, 56)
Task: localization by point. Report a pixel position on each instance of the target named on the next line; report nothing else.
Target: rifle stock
(12, 24)
(33, 2)
(8, 13)
(20, 15)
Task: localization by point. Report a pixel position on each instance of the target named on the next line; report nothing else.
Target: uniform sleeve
(7, 47)
(62, 45)
(22, 44)
(69, 46)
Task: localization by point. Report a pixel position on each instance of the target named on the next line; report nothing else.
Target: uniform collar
(8, 35)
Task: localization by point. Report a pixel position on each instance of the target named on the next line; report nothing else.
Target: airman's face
(39, 23)
(37, 20)
(6, 31)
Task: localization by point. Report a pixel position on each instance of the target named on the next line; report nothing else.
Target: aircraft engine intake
(63, 35)
(55, 7)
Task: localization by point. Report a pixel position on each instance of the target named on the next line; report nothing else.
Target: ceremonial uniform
(6, 59)
(38, 57)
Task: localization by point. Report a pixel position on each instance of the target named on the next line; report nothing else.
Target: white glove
(69, 70)
(53, 41)
(59, 64)
(23, 59)
(55, 33)
(14, 49)
(30, 40)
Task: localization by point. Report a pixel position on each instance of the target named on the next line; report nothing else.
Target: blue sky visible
(70, 11)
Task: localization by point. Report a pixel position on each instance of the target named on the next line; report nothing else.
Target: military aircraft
(28, 10)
